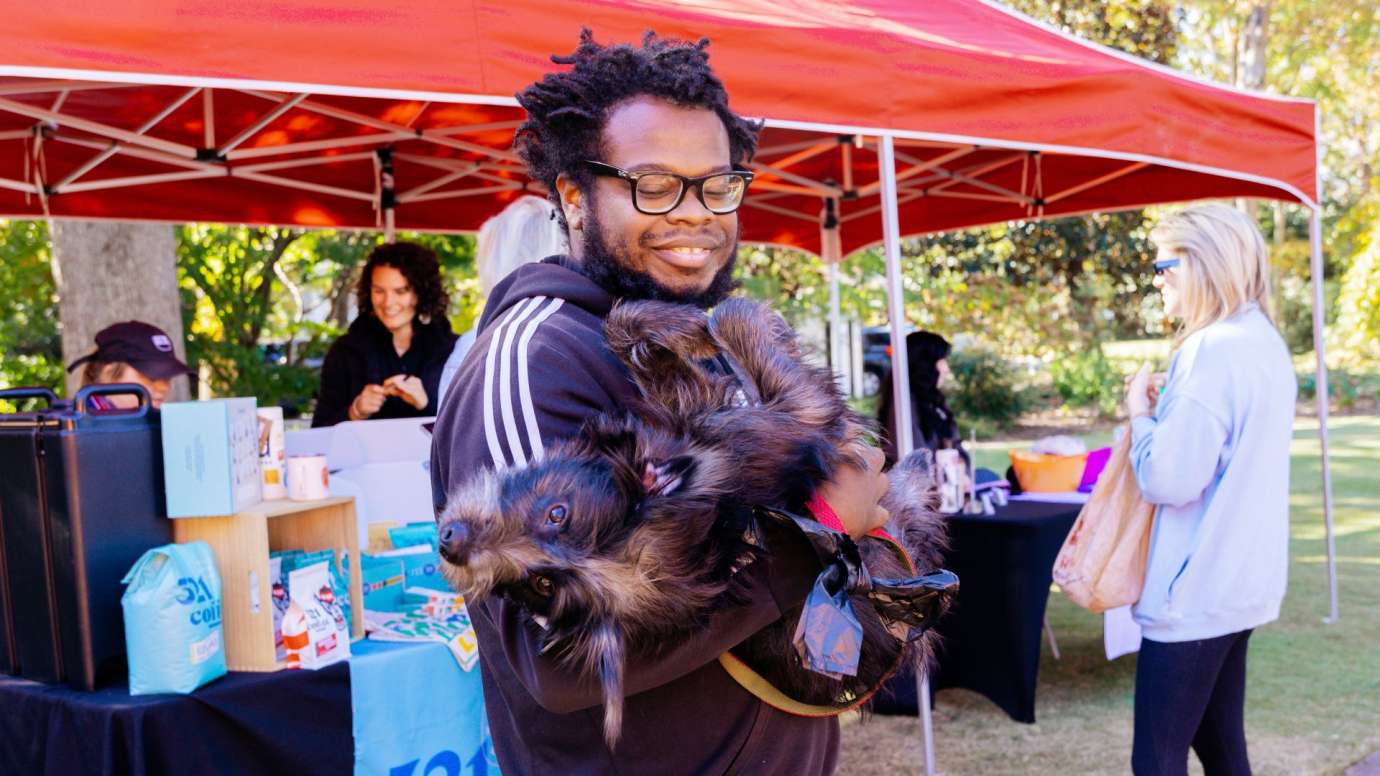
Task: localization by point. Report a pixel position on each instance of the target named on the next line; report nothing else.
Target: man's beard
(612, 272)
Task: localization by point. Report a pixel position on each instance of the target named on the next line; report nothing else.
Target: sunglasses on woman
(657, 193)
(1164, 265)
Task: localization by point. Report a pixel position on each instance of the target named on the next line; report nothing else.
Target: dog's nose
(454, 540)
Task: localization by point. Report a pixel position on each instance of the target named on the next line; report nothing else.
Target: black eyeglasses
(658, 193)
(1164, 265)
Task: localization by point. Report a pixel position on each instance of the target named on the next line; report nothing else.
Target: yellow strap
(767, 692)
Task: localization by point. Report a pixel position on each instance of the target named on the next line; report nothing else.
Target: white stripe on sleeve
(518, 312)
(529, 414)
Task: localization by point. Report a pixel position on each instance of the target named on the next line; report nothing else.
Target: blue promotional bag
(172, 620)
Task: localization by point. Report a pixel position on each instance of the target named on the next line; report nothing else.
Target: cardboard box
(211, 457)
(242, 543)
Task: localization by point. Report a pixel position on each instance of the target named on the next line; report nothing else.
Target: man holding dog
(645, 162)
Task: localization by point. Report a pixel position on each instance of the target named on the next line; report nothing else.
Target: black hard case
(81, 498)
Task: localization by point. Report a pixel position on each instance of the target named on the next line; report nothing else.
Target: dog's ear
(667, 477)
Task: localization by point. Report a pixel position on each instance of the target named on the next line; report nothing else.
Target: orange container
(1041, 473)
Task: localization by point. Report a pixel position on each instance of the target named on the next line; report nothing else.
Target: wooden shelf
(241, 544)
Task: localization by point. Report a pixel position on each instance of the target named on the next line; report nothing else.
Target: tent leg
(900, 375)
(831, 251)
(1316, 270)
(895, 292)
(926, 720)
(836, 350)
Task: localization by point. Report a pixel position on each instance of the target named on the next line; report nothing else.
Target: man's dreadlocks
(566, 111)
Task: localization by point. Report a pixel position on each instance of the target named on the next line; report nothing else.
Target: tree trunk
(1257, 46)
(107, 272)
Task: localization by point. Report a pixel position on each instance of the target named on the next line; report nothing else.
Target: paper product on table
(455, 631)
(438, 603)
(1120, 633)
(211, 457)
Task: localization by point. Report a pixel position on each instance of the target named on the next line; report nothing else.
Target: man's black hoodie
(540, 367)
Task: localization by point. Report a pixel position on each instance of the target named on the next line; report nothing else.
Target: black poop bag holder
(829, 635)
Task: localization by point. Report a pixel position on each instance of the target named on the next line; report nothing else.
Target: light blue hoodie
(1215, 458)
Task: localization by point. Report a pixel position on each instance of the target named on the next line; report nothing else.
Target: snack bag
(172, 620)
(315, 633)
(296, 559)
(412, 534)
(381, 579)
(421, 565)
(279, 597)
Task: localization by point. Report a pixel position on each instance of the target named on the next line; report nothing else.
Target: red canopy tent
(159, 109)
(910, 117)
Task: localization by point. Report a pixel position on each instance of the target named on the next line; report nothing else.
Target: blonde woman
(1212, 451)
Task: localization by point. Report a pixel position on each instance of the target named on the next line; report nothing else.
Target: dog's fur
(629, 535)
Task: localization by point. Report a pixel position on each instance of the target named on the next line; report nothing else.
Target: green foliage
(1358, 323)
(1145, 28)
(244, 288)
(988, 386)
(1345, 389)
(1087, 378)
(231, 286)
(30, 343)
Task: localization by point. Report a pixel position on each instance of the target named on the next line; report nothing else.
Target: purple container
(1097, 461)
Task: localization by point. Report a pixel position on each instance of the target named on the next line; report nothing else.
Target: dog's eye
(542, 586)
(557, 514)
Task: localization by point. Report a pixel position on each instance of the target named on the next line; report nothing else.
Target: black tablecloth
(991, 637)
(290, 722)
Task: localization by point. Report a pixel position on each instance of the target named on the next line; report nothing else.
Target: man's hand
(369, 401)
(853, 494)
(408, 388)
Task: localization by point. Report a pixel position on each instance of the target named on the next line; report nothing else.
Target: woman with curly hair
(388, 365)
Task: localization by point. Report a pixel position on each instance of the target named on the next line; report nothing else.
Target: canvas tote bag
(1102, 563)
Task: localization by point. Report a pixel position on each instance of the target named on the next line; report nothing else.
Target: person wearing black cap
(932, 422)
(131, 352)
(389, 363)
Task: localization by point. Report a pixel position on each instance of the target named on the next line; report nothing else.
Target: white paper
(1053, 497)
(1120, 633)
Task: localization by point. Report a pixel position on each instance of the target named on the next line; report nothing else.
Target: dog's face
(525, 532)
(568, 533)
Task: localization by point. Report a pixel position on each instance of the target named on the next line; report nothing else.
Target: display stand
(241, 543)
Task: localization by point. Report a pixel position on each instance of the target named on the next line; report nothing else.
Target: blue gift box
(211, 457)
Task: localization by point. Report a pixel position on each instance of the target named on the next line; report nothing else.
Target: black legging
(1191, 693)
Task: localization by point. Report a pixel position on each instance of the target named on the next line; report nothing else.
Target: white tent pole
(1316, 270)
(830, 250)
(900, 375)
(837, 359)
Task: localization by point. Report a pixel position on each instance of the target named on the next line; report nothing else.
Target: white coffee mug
(307, 478)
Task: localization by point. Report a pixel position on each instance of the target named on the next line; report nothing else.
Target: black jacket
(539, 367)
(364, 355)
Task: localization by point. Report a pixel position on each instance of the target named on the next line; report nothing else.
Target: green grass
(1313, 696)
